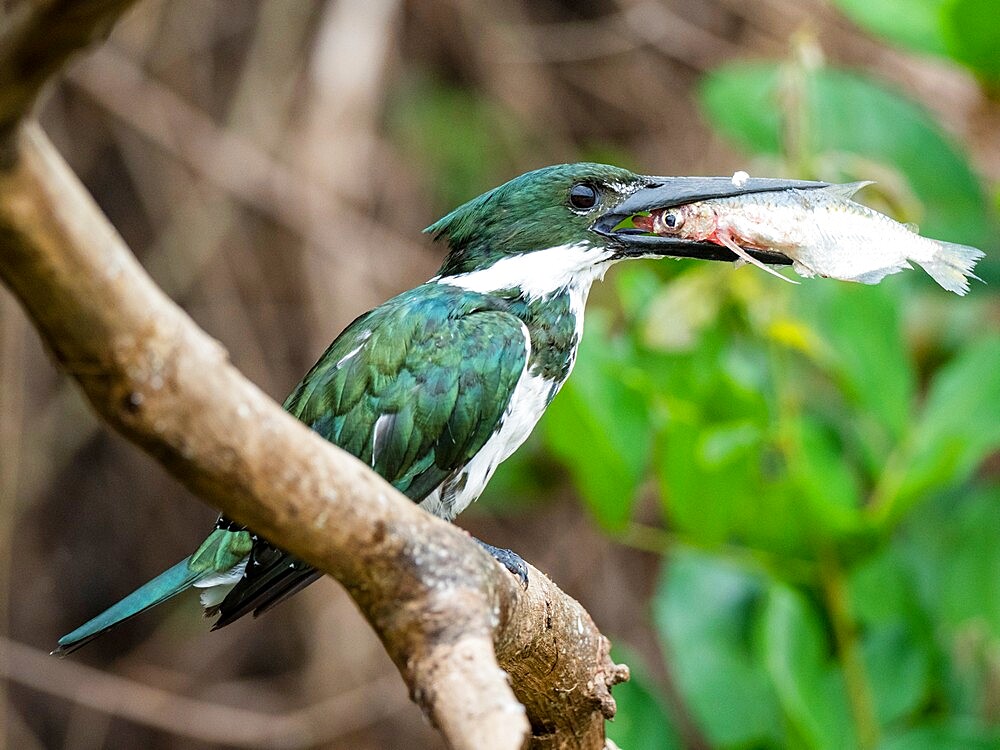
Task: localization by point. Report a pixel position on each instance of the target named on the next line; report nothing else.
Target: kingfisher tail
(215, 567)
(166, 585)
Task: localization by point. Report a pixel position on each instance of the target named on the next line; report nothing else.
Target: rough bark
(461, 630)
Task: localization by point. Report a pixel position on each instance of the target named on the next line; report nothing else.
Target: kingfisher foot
(510, 560)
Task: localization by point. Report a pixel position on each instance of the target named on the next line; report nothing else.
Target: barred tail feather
(951, 266)
(166, 585)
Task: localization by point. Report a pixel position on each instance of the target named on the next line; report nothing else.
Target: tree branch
(448, 615)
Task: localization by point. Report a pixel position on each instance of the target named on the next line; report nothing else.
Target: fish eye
(673, 219)
(583, 196)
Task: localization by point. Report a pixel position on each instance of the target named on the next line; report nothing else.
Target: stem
(845, 634)
(806, 58)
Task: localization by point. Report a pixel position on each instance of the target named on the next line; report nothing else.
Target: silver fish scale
(827, 234)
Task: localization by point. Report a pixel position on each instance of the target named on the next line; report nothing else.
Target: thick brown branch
(448, 615)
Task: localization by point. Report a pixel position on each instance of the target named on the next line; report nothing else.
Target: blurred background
(781, 503)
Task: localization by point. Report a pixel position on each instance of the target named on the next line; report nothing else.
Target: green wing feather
(431, 372)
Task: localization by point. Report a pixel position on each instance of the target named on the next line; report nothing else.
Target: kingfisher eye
(583, 196)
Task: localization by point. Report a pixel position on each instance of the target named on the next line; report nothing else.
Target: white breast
(566, 268)
(528, 402)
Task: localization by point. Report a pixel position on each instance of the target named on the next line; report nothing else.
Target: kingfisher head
(565, 224)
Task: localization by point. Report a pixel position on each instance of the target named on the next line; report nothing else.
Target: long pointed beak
(665, 192)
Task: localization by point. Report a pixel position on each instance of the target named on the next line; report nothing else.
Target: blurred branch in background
(309, 205)
(317, 724)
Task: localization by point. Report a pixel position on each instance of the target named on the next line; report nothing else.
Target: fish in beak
(631, 240)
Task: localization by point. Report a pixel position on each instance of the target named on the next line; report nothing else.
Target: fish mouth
(630, 239)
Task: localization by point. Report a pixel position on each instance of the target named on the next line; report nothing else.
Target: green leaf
(953, 735)
(829, 487)
(912, 23)
(972, 33)
(860, 328)
(636, 285)
(958, 427)
(641, 722)
(599, 426)
(882, 590)
(951, 547)
(897, 645)
(720, 468)
(704, 611)
(710, 474)
(898, 669)
(854, 115)
(954, 548)
(810, 689)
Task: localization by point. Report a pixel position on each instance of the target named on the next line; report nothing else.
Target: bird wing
(414, 389)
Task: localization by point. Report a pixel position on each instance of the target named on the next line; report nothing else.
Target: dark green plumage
(436, 364)
(554, 334)
(414, 389)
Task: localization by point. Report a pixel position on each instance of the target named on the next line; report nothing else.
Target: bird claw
(510, 560)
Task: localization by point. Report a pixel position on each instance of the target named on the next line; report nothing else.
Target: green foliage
(599, 427)
(853, 122)
(810, 688)
(943, 736)
(913, 23)
(642, 721)
(822, 458)
(972, 32)
(967, 31)
(958, 427)
(713, 651)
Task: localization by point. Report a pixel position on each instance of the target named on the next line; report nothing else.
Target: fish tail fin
(166, 585)
(951, 265)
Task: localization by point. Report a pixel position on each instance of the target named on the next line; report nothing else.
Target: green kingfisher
(438, 385)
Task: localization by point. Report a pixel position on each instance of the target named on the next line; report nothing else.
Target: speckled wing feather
(414, 389)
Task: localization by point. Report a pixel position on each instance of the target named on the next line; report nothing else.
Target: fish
(821, 230)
